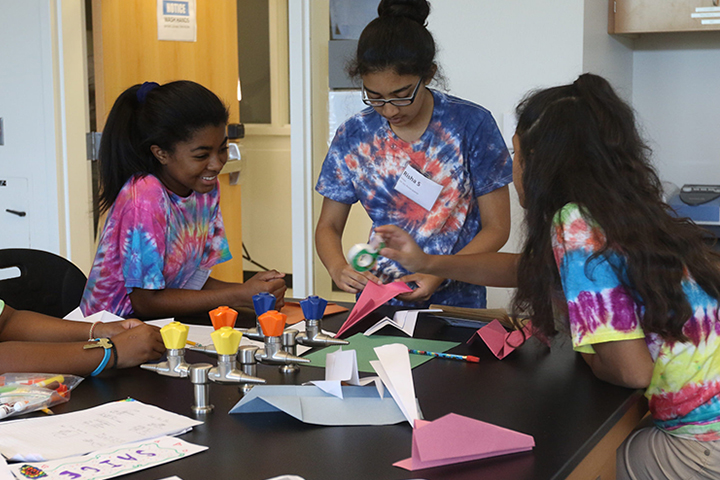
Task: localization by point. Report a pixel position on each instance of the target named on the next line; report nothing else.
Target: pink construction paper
(455, 439)
(371, 298)
(500, 341)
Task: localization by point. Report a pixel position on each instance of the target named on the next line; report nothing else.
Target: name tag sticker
(418, 188)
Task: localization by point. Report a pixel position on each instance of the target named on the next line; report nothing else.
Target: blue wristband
(103, 363)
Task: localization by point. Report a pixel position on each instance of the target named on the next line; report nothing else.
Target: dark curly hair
(579, 143)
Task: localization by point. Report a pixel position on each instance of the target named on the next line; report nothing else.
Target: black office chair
(47, 283)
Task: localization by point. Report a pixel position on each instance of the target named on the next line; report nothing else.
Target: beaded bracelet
(91, 335)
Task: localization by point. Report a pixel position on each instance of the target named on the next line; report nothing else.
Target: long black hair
(146, 115)
(579, 143)
(397, 40)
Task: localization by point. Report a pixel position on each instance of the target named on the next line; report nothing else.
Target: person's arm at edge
(328, 244)
(179, 302)
(625, 362)
(491, 269)
(495, 216)
(58, 345)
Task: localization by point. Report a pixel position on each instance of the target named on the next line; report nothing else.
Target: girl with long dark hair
(606, 262)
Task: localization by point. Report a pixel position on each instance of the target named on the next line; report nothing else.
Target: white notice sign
(177, 20)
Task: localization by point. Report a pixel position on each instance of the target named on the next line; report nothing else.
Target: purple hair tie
(144, 90)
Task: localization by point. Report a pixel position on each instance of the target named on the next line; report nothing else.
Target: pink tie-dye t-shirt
(461, 149)
(153, 239)
(684, 393)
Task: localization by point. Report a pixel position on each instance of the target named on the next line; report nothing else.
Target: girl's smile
(194, 165)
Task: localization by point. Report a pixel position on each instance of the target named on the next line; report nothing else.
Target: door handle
(15, 212)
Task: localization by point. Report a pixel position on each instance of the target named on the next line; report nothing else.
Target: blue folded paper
(309, 404)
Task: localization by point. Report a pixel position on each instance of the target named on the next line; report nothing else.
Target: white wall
(610, 56)
(43, 98)
(493, 53)
(675, 93)
(27, 106)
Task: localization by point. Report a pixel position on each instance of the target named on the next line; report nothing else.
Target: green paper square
(363, 347)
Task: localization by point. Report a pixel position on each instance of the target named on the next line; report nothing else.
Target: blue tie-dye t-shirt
(684, 392)
(461, 149)
(153, 239)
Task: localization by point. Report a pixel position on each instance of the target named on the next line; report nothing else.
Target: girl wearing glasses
(433, 164)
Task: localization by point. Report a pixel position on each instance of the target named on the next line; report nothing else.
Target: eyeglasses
(398, 102)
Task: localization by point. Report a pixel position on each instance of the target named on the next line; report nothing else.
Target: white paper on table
(404, 320)
(101, 316)
(200, 334)
(115, 461)
(5, 472)
(84, 431)
(393, 367)
(341, 366)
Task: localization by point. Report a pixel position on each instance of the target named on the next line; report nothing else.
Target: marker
(191, 343)
(7, 409)
(44, 383)
(467, 358)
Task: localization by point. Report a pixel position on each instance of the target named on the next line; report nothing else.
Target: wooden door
(127, 52)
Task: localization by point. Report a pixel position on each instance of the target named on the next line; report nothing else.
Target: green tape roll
(362, 256)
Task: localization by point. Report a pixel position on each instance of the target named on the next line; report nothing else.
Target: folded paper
(364, 346)
(403, 320)
(341, 366)
(500, 341)
(372, 297)
(393, 368)
(309, 404)
(455, 439)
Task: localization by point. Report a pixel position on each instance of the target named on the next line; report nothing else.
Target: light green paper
(363, 347)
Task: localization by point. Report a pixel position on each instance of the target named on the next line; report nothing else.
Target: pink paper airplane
(455, 439)
(500, 341)
(371, 298)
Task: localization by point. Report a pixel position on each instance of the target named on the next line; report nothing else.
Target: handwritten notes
(84, 431)
(111, 462)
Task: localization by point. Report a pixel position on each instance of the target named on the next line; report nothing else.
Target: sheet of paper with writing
(85, 431)
(111, 462)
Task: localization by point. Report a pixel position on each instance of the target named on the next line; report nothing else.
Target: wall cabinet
(646, 16)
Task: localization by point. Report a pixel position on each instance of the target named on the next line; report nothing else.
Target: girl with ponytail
(433, 164)
(162, 149)
(606, 262)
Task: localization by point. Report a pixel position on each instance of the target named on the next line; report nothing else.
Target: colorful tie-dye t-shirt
(461, 149)
(684, 393)
(153, 239)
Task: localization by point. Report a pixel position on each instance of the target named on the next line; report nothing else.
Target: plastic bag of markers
(22, 393)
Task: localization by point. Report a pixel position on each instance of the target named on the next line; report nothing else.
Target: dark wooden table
(549, 394)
